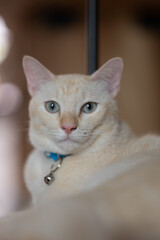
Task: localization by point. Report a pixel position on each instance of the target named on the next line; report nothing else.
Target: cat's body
(76, 115)
(80, 168)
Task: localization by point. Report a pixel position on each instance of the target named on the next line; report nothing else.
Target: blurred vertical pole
(92, 36)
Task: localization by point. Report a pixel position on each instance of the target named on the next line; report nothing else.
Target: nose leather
(69, 128)
(68, 123)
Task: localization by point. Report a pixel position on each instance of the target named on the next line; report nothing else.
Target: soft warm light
(5, 40)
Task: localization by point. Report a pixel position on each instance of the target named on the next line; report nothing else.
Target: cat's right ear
(36, 74)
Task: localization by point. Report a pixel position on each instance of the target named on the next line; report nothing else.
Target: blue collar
(54, 156)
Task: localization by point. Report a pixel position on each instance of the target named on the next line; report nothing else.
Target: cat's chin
(69, 146)
(69, 141)
(72, 145)
(61, 146)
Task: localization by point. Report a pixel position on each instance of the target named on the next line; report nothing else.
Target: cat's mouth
(70, 140)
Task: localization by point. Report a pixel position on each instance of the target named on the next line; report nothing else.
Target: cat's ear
(36, 74)
(111, 73)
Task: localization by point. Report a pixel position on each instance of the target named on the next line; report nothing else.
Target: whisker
(79, 135)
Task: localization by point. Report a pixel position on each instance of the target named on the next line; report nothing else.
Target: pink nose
(69, 128)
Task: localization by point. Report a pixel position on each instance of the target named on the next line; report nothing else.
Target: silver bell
(49, 179)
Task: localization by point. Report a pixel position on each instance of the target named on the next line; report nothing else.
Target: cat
(80, 146)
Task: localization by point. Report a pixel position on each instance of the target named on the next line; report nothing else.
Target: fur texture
(105, 157)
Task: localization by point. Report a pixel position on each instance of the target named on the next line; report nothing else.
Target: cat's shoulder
(149, 142)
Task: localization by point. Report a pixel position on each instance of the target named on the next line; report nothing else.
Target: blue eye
(52, 107)
(89, 107)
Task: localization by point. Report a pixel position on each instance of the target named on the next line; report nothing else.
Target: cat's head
(70, 113)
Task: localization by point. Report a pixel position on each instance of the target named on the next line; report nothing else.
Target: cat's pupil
(52, 105)
(89, 106)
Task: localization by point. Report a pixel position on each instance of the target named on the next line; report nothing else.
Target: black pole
(93, 36)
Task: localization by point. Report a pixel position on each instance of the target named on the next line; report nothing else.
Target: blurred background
(55, 32)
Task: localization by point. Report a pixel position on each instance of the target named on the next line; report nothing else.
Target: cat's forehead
(72, 79)
(78, 86)
(73, 88)
(72, 84)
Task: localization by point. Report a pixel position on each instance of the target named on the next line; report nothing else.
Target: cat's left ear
(36, 74)
(111, 73)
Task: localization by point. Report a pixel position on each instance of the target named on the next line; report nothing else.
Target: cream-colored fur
(110, 173)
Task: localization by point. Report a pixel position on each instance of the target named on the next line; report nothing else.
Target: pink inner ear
(114, 85)
(36, 74)
(111, 73)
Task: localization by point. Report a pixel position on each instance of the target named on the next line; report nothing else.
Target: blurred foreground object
(5, 40)
(11, 99)
(120, 202)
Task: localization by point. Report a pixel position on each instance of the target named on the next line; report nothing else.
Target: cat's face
(68, 113)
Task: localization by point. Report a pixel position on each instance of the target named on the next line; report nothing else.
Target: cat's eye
(52, 107)
(89, 107)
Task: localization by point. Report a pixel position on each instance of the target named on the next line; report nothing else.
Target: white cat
(76, 134)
